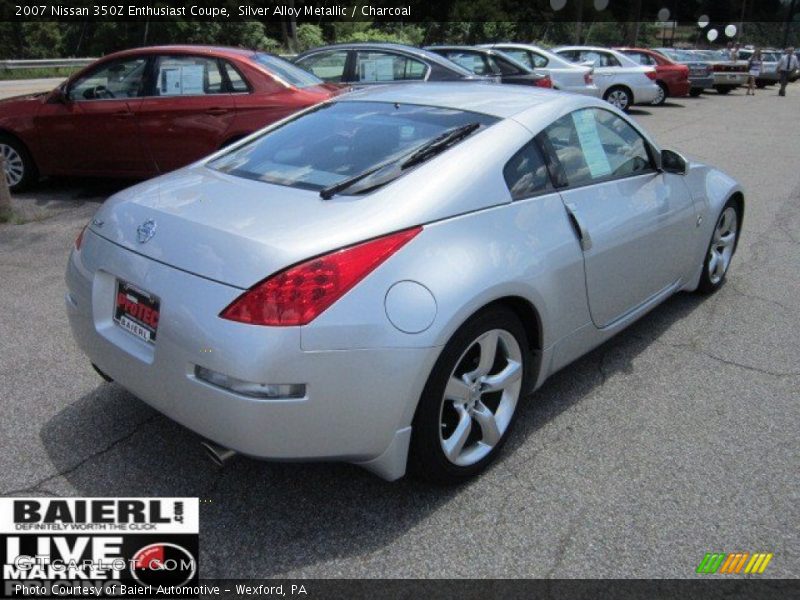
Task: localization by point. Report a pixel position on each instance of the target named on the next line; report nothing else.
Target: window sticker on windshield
(186, 80)
(592, 147)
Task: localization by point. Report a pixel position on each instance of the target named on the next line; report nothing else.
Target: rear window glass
(286, 71)
(339, 140)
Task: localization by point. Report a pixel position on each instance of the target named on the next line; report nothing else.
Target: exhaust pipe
(219, 455)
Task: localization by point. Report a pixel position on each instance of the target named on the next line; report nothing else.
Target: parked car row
(146, 111)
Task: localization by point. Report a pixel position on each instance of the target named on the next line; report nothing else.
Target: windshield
(340, 140)
(286, 71)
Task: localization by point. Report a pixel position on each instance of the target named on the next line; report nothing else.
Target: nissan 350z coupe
(383, 278)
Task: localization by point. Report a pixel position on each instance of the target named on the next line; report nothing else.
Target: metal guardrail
(46, 63)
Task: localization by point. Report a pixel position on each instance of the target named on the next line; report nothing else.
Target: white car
(623, 82)
(566, 76)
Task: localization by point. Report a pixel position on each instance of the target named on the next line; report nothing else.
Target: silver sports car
(382, 278)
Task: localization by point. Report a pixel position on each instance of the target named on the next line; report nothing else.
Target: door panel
(635, 225)
(641, 230)
(190, 113)
(95, 131)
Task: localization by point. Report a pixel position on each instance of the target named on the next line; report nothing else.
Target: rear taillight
(651, 75)
(544, 82)
(588, 79)
(297, 295)
(79, 239)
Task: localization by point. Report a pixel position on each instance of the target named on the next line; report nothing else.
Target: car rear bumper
(702, 82)
(728, 78)
(357, 402)
(645, 94)
(679, 88)
(584, 90)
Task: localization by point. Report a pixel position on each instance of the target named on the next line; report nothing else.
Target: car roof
(501, 101)
(186, 49)
(399, 48)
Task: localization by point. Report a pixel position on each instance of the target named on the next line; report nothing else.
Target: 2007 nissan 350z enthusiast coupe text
(382, 278)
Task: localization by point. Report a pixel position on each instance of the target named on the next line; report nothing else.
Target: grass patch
(36, 73)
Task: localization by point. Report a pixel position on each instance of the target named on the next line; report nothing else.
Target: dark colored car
(672, 78)
(375, 63)
(147, 111)
(492, 63)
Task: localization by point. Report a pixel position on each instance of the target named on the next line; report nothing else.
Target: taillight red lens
(297, 295)
(588, 79)
(544, 82)
(79, 239)
(651, 75)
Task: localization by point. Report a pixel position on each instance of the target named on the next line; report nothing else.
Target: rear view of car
(701, 74)
(566, 76)
(493, 63)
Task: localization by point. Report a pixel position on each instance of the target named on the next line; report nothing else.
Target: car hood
(21, 102)
(238, 231)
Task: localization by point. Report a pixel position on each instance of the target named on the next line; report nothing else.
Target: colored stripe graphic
(711, 562)
(733, 562)
(758, 563)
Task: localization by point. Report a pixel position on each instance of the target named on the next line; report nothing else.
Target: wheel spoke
(713, 263)
(488, 424)
(727, 239)
(455, 443)
(510, 374)
(488, 346)
(457, 390)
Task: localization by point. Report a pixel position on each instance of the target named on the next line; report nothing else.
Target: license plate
(137, 311)
(732, 76)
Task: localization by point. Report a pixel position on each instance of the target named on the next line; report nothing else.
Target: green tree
(309, 36)
(42, 39)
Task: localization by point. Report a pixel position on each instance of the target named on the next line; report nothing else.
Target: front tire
(470, 401)
(620, 97)
(720, 249)
(723, 89)
(20, 170)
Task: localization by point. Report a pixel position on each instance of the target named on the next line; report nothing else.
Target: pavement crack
(36, 487)
(564, 543)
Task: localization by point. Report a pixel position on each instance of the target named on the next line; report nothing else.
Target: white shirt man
(786, 65)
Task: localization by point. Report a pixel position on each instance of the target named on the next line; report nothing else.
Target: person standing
(753, 72)
(786, 65)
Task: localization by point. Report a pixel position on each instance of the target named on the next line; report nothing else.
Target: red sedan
(672, 78)
(143, 112)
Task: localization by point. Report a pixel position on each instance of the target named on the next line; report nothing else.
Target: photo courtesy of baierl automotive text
(393, 298)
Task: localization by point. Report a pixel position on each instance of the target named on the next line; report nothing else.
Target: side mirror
(672, 162)
(58, 96)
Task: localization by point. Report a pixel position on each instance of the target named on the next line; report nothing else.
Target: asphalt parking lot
(676, 438)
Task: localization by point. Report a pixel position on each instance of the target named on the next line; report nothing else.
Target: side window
(641, 58)
(188, 76)
(539, 61)
(328, 66)
(526, 58)
(594, 145)
(382, 66)
(526, 172)
(238, 83)
(472, 61)
(114, 80)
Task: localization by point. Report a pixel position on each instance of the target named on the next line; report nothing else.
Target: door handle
(123, 114)
(217, 111)
(580, 230)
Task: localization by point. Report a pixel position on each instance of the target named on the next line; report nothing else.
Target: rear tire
(663, 94)
(470, 401)
(20, 171)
